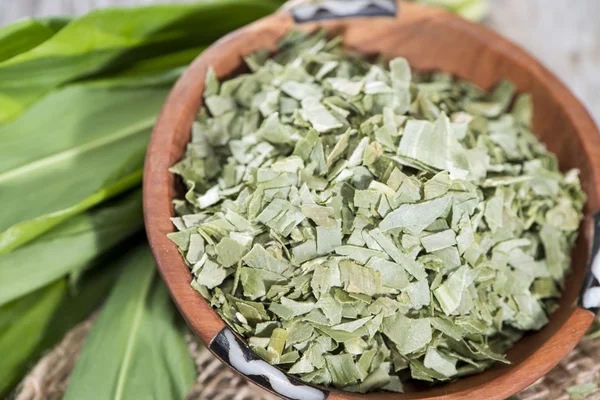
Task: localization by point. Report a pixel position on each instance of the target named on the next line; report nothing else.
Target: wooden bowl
(429, 39)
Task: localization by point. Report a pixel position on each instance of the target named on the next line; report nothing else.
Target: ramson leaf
(70, 248)
(139, 315)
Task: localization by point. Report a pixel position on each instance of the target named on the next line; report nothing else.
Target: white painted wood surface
(563, 34)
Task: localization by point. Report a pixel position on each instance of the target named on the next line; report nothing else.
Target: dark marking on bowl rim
(234, 352)
(589, 297)
(342, 9)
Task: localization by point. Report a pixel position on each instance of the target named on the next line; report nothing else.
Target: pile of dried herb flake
(361, 224)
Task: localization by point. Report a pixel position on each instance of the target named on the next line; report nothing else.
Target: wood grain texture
(429, 39)
(563, 34)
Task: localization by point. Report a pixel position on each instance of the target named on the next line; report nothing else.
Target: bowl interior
(430, 40)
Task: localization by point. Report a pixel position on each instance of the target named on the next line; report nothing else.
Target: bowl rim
(185, 98)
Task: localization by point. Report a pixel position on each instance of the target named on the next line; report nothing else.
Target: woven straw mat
(48, 379)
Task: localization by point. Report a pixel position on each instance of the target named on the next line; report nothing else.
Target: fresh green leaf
(105, 38)
(26, 34)
(104, 141)
(69, 248)
(35, 322)
(134, 340)
(20, 336)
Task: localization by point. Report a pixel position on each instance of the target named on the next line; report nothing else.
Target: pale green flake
(320, 215)
(393, 275)
(273, 131)
(339, 148)
(305, 252)
(448, 327)
(196, 249)
(419, 295)
(563, 216)
(210, 198)
(408, 334)
(359, 279)
(297, 307)
(401, 79)
(439, 241)
(413, 267)
(437, 186)
(343, 370)
(494, 208)
(345, 86)
(325, 276)
(328, 238)
(434, 145)
(415, 217)
(219, 105)
(229, 252)
(450, 293)
(300, 90)
(436, 361)
(351, 326)
(556, 258)
(256, 282)
(211, 274)
(211, 83)
(359, 254)
(259, 258)
(317, 114)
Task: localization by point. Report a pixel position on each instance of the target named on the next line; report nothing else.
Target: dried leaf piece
(328, 238)
(401, 79)
(439, 241)
(408, 334)
(342, 369)
(392, 274)
(359, 279)
(434, 146)
(414, 218)
(420, 372)
(320, 215)
(436, 361)
(418, 293)
(229, 252)
(450, 293)
(415, 268)
(211, 275)
(259, 258)
(319, 117)
(498, 101)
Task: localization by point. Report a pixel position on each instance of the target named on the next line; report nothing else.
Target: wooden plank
(563, 34)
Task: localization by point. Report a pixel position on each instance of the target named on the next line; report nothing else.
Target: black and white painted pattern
(236, 353)
(590, 294)
(335, 9)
